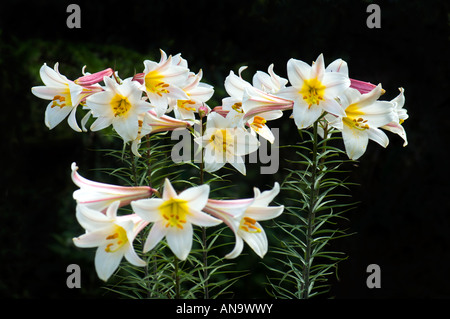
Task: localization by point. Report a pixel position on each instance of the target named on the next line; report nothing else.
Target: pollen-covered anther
(237, 107)
(249, 225)
(116, 240)
(259, 121)
(360, 123)
(59, 98)
(160, 88)
(184, 104)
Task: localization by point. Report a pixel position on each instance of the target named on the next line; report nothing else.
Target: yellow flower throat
(174, 212)
(312, 91)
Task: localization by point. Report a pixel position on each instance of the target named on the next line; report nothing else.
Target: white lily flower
(112, 234)
(253, 105)
(269, 82)
(119, 105)
(99, 196)
(396, 125)
(173, 216)
(224, 142)
(150, 123)
(163, 81)
(313, 90)
(242, 216)
(364, 115)
(198, 94)
(65, 96)
(260, 107)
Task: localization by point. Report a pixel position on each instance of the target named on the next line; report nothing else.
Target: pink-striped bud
(94, 78)
(139, 77)
(203, 111)
(363, 87)
(220, 110)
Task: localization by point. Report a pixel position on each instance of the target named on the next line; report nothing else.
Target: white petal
(202, 219)
(339, 66)
(355, 142)
(238, 163)
(72, 120)
(132, 257)
(168, 192)
(257, 241)
(148, 209)
(264, 213)
(305, 116)
(235, 85)
(55, 115)
(106, 263)
(238, 247)
(196, 196)
(335, 83)
(333, 107)
(180, 240)
(101, 123)
(92, 239)
(318, 68)
(298, 71)
(378, 136)
(156, 234)
(127, 128)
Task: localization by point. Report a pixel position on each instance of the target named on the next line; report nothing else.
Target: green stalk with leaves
(316, 189)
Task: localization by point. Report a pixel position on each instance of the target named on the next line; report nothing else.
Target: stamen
(249, 225)
(259, 121)
(237, 107)
(174, 211)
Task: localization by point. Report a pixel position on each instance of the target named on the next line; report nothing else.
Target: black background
(402, 223)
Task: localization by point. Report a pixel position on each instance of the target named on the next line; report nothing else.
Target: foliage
(315, 202)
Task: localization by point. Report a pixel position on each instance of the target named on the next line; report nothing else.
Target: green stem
(133, 167)
(204, 236)
(311, 217)
(177, 279)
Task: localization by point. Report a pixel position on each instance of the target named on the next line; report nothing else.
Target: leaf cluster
(316, 194)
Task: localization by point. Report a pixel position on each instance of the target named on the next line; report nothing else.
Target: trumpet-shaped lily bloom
(242, 216)
(99, 196)
(198, 94)
(65, 96)
(396, 125)
(163, 81)
(112, 235)
(260, 107)
(364, 115)
(313, 90)
(119, 105)
(225, 143)
(173, 216)
(255, 105)
(150, 123)
(269, 82)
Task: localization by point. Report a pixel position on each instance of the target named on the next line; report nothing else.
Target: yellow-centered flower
(173, 216)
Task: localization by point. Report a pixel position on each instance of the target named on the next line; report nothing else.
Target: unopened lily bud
(203, 111)
(363, 87)
(139, 77)
(221, 111)
(94, 78)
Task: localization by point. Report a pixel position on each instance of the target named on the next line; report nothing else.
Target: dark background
(402, 222)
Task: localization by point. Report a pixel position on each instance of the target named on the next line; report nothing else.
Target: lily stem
(204, 236)
(311, 217)
(177, 279)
